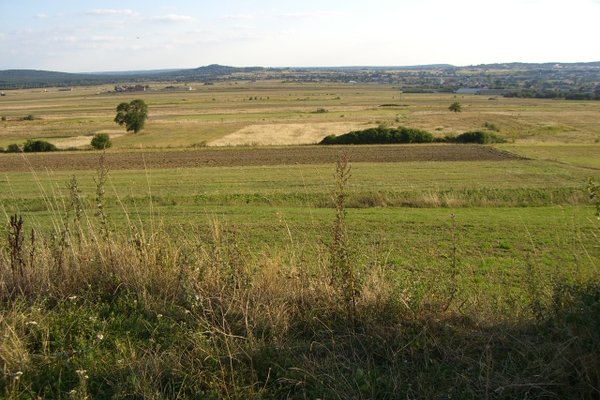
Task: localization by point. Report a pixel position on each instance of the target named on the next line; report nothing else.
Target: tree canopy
(133, 115)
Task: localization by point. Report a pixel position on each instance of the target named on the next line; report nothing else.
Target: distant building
(469, 90)
(130, 88)
(481, 91)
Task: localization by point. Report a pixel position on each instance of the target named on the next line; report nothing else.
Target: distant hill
(209, 71)
(29, 78)
(548, 80)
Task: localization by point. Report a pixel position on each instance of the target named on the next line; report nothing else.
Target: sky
(91, 36)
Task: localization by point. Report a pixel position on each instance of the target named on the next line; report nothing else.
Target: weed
(593, 189)
(343, 273)
(16, 238)
(76, 205)
(100, 180)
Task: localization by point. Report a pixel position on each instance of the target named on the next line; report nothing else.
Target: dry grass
(180, 119)
(142, 314)
(285, 134)
(83, 141)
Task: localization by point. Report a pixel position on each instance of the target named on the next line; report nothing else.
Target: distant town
(572, 81)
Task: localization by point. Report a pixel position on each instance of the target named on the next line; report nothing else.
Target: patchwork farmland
(221, 252)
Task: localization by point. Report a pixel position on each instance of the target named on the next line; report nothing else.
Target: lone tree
(456, 107)
(132, 115)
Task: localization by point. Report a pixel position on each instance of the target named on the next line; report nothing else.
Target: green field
(442, 279)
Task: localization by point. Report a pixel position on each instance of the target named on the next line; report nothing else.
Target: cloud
(172, 18)
(112, 11)
(41, 16)
(305, 15)
(106, 39)
(244, 17)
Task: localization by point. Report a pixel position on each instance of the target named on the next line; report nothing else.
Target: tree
(101, 141)
(455, 107)
(133, 115)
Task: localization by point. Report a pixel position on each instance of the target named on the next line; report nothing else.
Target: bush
(478, 137)
(13, 148)
(455, 107)
(3, 118)
(101, 141)
(29, 117)
(35, 146)
(381, 135)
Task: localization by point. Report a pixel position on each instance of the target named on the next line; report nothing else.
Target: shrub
(3, 118)
(381, 135)
(455, 107)
(478, 137)
(321, 110)
(29, 117)
(101, 141)
(13, 148)
(491, 127)
(35, 146)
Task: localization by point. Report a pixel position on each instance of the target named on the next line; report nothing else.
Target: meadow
(281, 272)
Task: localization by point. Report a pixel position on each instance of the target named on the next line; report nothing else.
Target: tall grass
(162, 314)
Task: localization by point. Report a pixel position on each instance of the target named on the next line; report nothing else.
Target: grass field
(247, 113)
(432, 271)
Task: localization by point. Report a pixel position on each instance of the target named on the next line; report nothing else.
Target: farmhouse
(130, 88)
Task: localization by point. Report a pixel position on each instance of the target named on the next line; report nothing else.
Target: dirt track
(249, 156)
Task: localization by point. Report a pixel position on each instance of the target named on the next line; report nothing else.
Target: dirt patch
(285, 134)
(242, 156)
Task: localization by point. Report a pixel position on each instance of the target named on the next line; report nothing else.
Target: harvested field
(285, 134)
(250, 156)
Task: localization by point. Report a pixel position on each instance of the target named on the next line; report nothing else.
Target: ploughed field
(248, 156)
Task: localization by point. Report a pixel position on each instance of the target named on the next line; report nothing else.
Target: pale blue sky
(84, 36)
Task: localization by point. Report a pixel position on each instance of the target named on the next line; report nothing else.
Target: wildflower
(99, 336)
(72, 298)
(17, 375)
(31, 323)
(82, 373)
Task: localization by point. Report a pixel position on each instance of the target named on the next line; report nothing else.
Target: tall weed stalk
(343, 273)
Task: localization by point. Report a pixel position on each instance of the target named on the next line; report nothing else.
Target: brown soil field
(242, 156)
